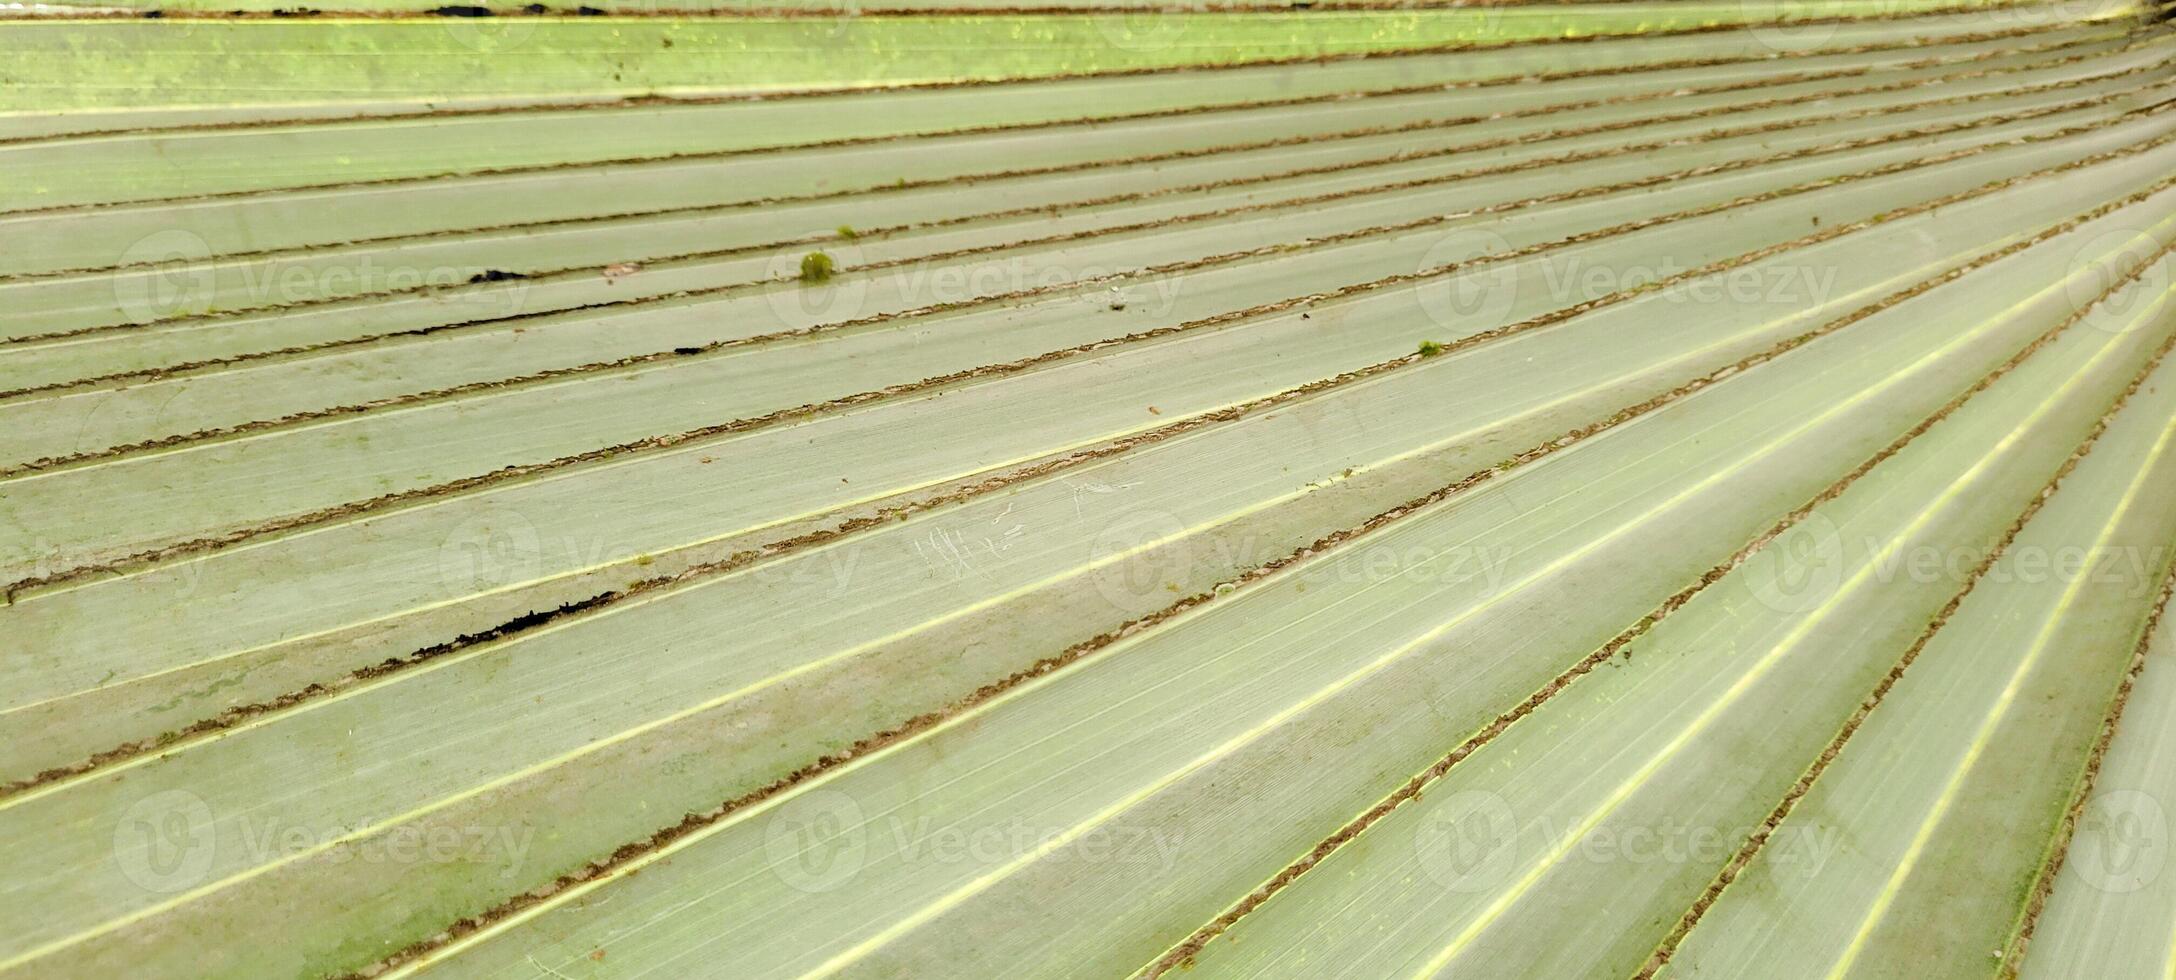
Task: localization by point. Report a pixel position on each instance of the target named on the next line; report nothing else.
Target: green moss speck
(1429, 348)
(816, 267)
(848, 232)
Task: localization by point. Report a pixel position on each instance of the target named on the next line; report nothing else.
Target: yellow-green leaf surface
(1553, 489)
(217, 69)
